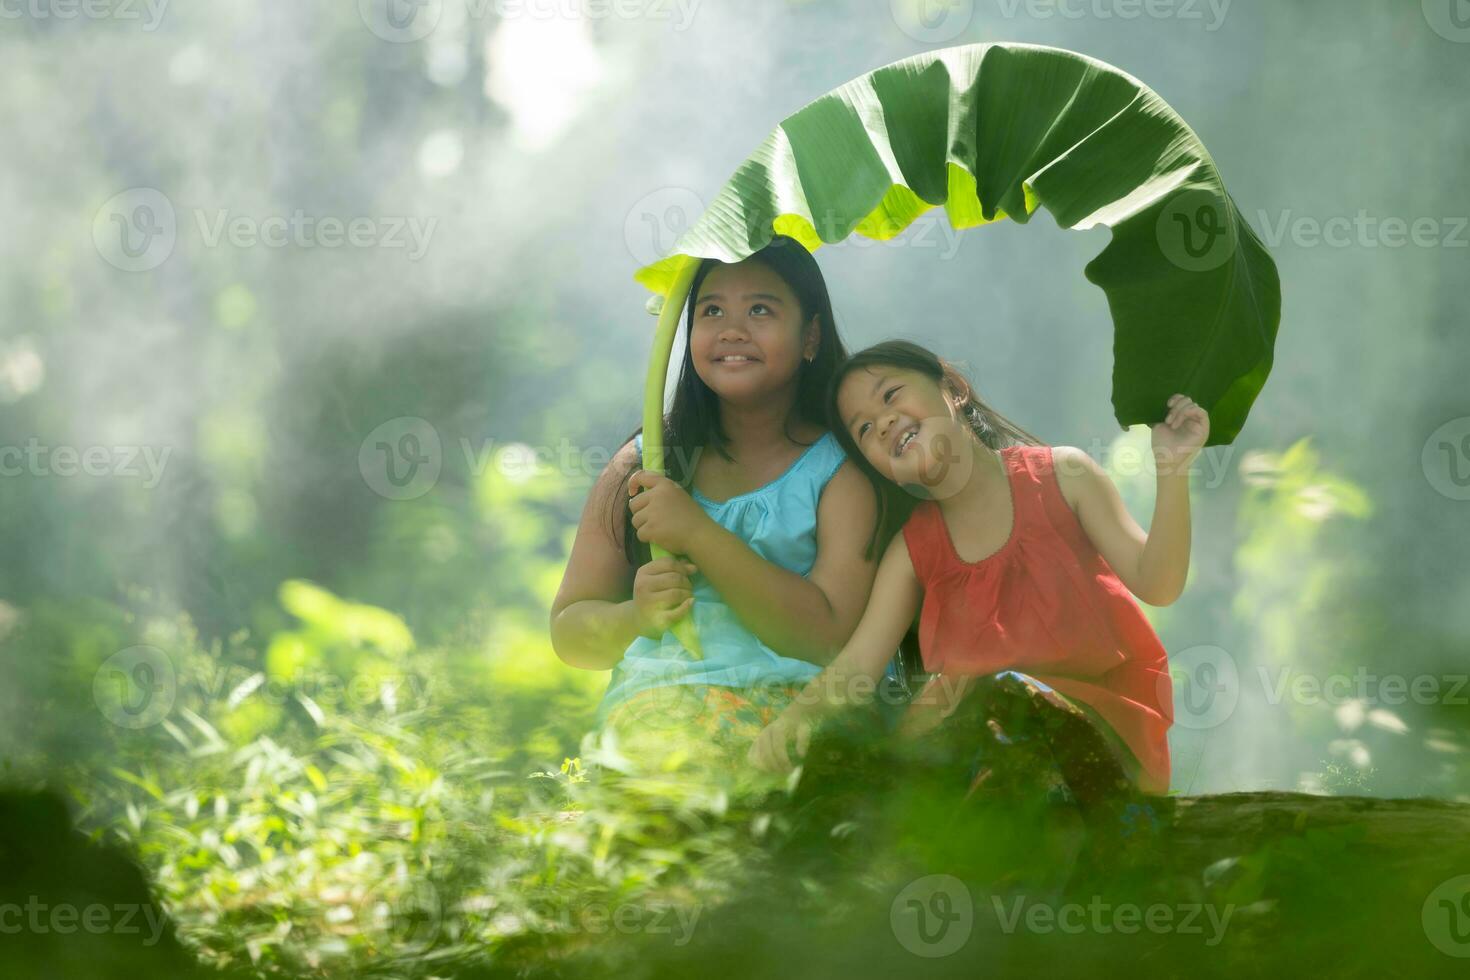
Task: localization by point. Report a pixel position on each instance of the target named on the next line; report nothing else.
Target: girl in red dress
(1018, 560)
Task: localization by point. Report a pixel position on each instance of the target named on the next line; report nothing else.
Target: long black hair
(989, 426)
(693, 422)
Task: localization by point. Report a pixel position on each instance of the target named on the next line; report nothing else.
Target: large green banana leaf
(989, 131)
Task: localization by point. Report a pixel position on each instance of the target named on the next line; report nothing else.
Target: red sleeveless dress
(1048, 605)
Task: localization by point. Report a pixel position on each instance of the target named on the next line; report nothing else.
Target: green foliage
(347, 802)
(1287, 572)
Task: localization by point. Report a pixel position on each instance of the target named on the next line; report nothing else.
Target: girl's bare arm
(805, 617)
(891, 609)
(852, 678)
(593, 618)
(1154, 565)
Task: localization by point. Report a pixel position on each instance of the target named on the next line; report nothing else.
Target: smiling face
(908, 428)
(748, 339)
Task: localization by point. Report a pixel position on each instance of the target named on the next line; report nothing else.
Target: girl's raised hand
(770, 749)
(662, 593)
(1178, 439)
(663, 513)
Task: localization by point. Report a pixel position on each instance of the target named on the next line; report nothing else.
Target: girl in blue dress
(767, 519)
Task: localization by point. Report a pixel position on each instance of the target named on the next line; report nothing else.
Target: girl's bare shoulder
(1077, 473)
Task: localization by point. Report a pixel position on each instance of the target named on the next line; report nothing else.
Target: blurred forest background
(318, 323)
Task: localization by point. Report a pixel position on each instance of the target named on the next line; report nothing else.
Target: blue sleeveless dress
(779, 522)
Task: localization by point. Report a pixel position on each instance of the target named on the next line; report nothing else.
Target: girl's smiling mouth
(906, 438)
(734, 360)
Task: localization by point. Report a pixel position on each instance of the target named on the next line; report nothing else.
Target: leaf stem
(653, 410)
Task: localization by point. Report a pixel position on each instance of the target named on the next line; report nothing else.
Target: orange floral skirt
(726, 719)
